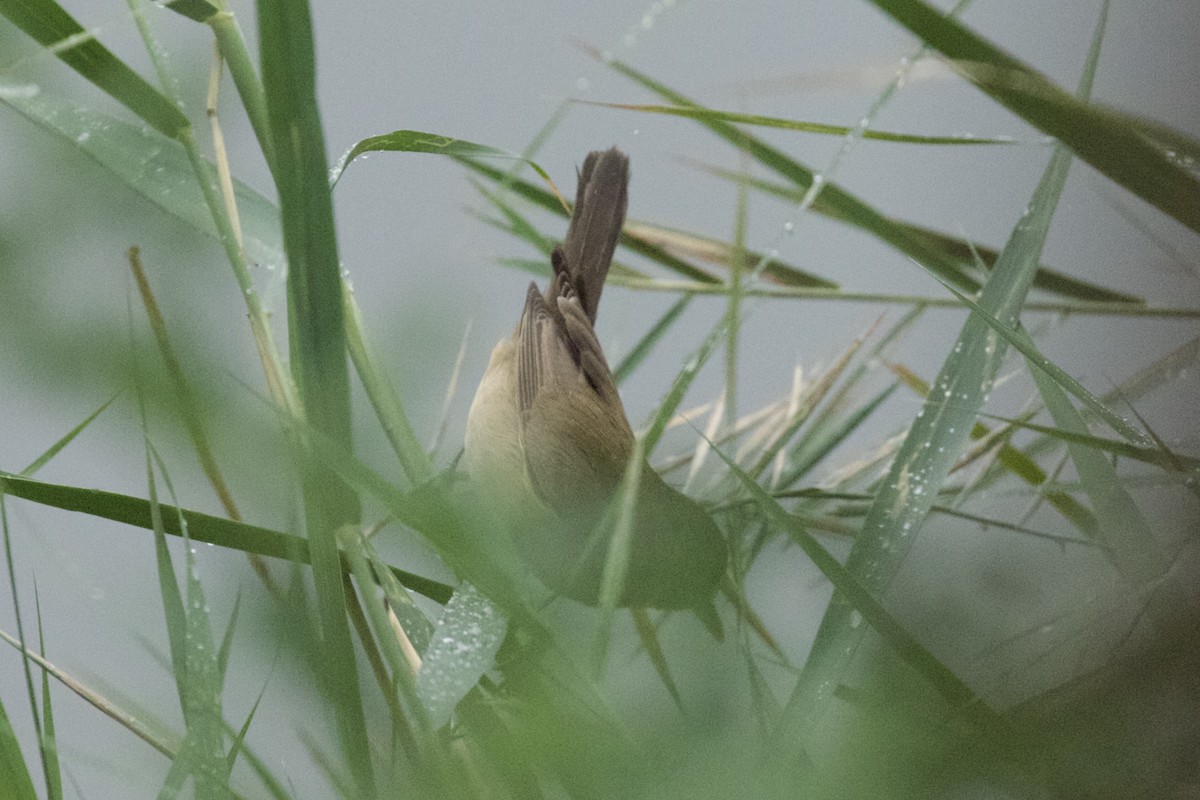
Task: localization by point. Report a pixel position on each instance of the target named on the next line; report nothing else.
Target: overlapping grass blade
(967, 254)
(51, 25)
(931, 446)
(201, 527)
(193, 661)
(763, 121)
(1110, 144)
(153, 165)
(1122, 528)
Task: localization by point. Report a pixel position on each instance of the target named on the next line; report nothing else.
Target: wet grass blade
(201, 527)
(51, 25)
(1111, 145)
(153, 165)
(931, 447)
(965, 253)
(833, 199)
(317, 343)
(759, 120)
(432, 143)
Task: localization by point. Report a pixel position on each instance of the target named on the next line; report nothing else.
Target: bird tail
(595, 226)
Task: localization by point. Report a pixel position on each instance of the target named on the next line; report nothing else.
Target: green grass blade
(759, 120)
(1019, 463)
(433, 143)
(1158, 455)
(227, 638)
(648, 636)
(402, 678)
(679, 387)
(1022, 343)
(384, 398)
(197, 10)
(154, 166)
(67, 438)
(637, 354)
(14, 775)
(965, 253)
(48, 23)
(833, 199)
(316, 328)
(27, 672)
(862, 602)
(929, 451)
(1111, 145)
(201, 527)
(132, 720)
(1124, 531)
(49, 741)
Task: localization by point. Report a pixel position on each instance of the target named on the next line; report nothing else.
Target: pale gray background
(424, 267)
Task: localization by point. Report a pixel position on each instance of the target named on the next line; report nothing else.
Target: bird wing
(572, 426)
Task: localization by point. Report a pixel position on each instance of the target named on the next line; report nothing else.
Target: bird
(547, 440)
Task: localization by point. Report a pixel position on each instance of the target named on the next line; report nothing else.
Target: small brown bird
(548, 443)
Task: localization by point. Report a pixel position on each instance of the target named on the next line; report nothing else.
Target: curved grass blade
(953, 689)
(1122, 528)
(638, 353)
(433, 143)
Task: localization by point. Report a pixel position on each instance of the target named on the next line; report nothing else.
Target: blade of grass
(461, 650)
(1124, 531)
(12, 763)
(648, 636)
(433, 143)
(384, 398)
(49, 741)
(14, 775)
(965, 253)
(953, 689)
(51, 25)
(201, 527)
(1017, 462)
(931, 447)
(759, 120)
(67, 438)
(154, 166)
(1113, 146)
(833, 198)
(197, 695)
(637, 354)
(317, 342)
(189, 411)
